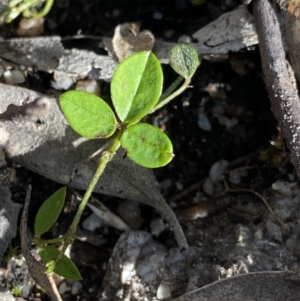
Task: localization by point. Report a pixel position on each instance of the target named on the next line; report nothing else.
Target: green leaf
(136, 86)
(63, 267)
(147, 145)
(49, 211)
(88, 115)
(184, 60)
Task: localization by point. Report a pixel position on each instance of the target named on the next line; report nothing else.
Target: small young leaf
(136, 86)
(64, 267)
(88, 115)
(184, 59)
(49, 211)
(147, 145)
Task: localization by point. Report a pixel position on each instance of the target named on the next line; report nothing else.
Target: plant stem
(172, 88)
(105, 158)
(173, 95)
(40, 241)
(43, 12)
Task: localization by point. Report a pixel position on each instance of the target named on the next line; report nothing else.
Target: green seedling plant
(136, 89)
(17, 291)
(25, 7)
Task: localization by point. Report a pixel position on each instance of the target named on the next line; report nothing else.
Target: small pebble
(19, 261)
(208, 186)
(26, 290)
(258, 234)
(158, 15)
(62, 81)
(31, 27)
(285, 188)
(217, 170)
(157, 226)
(63, 288)
(92, 222)
(179, 185)
(163, 291)
(76, 288)
(243, 233)
(203, 122)
(216, 90)
(13, 77)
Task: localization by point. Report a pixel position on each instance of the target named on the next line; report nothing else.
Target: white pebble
(286, 188)
(203, 122)
(242, 233)
(208, 187)
(163, 291)
(13, 77)
(63, 288)
(92, 222)
(258, 234)
(157, 226)
(217, 169)
(76, 288)
(62, 81)
(19, 261)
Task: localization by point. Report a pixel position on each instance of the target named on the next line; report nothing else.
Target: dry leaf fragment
(232, 31)
(262, 286)
(128, 40)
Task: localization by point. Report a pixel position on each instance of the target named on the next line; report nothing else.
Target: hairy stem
(43, 12)
(105, 158)
(40, 241)
(173, 95)
(172, 88)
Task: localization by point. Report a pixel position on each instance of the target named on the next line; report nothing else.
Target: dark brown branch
(280, 81)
